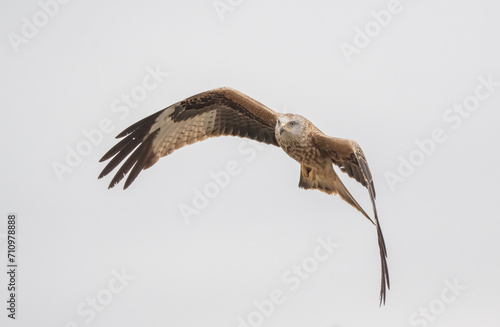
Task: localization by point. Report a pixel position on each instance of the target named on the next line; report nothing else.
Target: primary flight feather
(225, 111)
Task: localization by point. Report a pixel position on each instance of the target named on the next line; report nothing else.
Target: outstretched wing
(347, 155)
(222, 111)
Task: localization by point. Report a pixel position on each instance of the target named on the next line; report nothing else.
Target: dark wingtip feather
(134, 161)
(128, 182)
(123, 133)
(384, 278)
(384, 274)
(121, 154)
(118, 147)
(144, 154)
(135, 134)
(149, 120)
(115, 180)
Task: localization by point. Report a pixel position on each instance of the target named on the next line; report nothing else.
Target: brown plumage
(225, 111)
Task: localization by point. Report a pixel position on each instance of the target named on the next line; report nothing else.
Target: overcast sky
(218, 233)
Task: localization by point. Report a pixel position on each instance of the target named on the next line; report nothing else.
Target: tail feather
(327, 180)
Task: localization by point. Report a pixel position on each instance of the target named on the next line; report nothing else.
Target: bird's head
(290, 125)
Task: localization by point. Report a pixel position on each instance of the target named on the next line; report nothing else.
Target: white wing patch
(174, 135)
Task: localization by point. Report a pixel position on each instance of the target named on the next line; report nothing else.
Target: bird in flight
(226, 111)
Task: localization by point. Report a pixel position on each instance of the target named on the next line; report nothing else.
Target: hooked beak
(282, 128)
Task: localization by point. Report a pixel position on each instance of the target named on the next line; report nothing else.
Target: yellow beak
(283, 128)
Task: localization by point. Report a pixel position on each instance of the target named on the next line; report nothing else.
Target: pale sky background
(440, 221)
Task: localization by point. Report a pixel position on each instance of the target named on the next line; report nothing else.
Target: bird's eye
(292, 123)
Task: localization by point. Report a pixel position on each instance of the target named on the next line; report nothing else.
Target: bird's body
(225, 111)
(299, 146)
